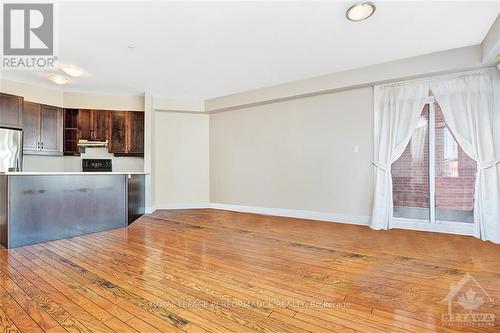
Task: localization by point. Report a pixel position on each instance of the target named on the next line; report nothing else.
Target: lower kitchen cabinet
(42, 127)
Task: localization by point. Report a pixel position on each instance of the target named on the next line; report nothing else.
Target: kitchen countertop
(70, 173)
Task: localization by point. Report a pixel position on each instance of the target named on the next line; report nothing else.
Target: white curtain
(396, 117)
(417, 143)
(472, 112)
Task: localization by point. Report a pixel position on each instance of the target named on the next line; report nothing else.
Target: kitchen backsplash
(38, 163)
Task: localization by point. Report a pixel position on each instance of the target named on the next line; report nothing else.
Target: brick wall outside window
(410, 174)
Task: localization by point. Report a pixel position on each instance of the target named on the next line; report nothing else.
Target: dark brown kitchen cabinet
(127, 133)
(51, 130)
(118, 140)
(124, 130)
(71, 132)
(136, 133)
(84, 124)
(42, 129)
(100, 121)
(93, 124)
(11, 111)
(31, 127)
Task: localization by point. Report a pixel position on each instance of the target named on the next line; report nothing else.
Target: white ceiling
(209, 49)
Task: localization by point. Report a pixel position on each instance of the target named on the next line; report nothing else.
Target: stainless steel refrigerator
(11, 150)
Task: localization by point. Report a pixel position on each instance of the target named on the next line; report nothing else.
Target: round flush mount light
(58, 79)
(72, 71)
(360, 11)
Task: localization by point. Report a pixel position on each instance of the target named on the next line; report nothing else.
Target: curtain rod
(440, 77)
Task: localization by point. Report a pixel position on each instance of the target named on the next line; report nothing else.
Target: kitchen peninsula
(37, 207)
(67, 171)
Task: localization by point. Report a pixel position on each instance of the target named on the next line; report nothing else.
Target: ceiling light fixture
(72, 71)
(360, 11)
(58, 79)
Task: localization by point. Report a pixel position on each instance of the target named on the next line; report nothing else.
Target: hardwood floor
(215, 271)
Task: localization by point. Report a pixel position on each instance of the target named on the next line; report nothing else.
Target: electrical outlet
(356, 149)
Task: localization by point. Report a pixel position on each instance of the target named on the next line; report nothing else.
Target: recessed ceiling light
(58, 79)
(360, 11)
(72, 71)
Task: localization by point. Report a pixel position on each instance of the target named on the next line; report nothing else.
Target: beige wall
(104, 102)
(32, 93)
(296, 154)
(491, 44)
(448, 61)
(181, 164)
(38, 94)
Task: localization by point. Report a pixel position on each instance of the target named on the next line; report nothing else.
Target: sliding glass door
(433, 181)
(410, 174)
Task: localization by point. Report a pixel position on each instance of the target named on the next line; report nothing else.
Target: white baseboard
(301, 214)
(456, 228)
(182, 205)
(446, 227)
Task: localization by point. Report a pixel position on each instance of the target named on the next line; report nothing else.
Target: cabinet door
(31, 127)
(100, 120)
(11, 111)
(84, 124)
(136, 133)
(51, 130)
(118, 124)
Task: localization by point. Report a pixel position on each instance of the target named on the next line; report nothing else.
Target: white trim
(376, 129)
(447, 227)
(301, 214)
(432, 161)
(181, 205)
(456, 228)
(439, 77)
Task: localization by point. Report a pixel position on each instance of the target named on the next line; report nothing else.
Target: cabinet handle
(42, 145)
(38, 145)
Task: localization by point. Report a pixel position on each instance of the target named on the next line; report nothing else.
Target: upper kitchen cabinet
(127, 133)
(124, 130)
(31, 128)
(42, 127)
(71, 132)
(136, 133)
(118, 139)
(84, 124)
(93, 124)
(51, 130)
(11, 111)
